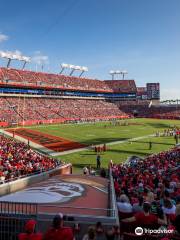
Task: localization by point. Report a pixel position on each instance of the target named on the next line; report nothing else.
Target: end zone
(54, 143)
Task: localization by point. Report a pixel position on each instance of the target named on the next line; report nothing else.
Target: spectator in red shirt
(145, 218)
(58, 230)
(30, 232)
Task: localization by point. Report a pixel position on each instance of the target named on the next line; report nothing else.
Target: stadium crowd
(18, 160)
(142, 108)
(17, 109)
(25, 77)
(14, 109)
(122, 85)
(148, 196)
(148, 192)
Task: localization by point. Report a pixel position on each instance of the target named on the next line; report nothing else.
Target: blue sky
(141, 36)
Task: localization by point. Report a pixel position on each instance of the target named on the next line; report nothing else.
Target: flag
(150, 104)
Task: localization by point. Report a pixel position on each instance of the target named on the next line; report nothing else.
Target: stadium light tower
(25, 60)
(112, 74)
(63, 67)
(123, 73)
(8, 56)
(83, 69)
(14, 56)
(73, 68)
(117, 72)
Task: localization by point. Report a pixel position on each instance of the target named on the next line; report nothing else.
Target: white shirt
(169, 210)
(124, 207)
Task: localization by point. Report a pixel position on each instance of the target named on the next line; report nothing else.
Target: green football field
(121, 139)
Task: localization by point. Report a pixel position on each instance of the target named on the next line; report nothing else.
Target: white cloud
(16, 52)
(3, 37)
(171, 93)
(39, 58)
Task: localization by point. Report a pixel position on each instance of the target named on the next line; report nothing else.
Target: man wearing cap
(30, 232)
(58, 231)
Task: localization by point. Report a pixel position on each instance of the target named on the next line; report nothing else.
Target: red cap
(30, 225)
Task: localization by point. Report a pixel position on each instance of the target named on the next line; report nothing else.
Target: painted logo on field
(51, 191)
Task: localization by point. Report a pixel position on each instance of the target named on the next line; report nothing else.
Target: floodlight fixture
(111, 72)
(123, 73)
(25, 60)
(83, 69)
(78, 68)
(117, 72)
(73, 68)
(13, 56)
(8, 56)
(63, 66)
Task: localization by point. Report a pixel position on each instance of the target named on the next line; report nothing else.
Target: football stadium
(91, 157)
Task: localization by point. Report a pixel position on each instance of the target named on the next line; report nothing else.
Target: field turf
(104, 132)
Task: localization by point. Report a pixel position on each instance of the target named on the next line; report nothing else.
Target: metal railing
(75, 211)
(112, 197)
(29, 175)
(13, 217)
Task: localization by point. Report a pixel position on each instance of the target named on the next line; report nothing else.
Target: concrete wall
(19, 184)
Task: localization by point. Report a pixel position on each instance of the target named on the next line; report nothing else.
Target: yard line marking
(53, 154)
(108, 144)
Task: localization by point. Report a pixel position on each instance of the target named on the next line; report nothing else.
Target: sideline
(108, 144)
(52, 153)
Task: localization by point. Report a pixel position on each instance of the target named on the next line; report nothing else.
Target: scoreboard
(153, 91)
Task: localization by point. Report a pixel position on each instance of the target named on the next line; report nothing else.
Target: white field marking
(73, 124)
(129, 140)
(101, 190)
(66, 124)
(52, 153)
(108, 144)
